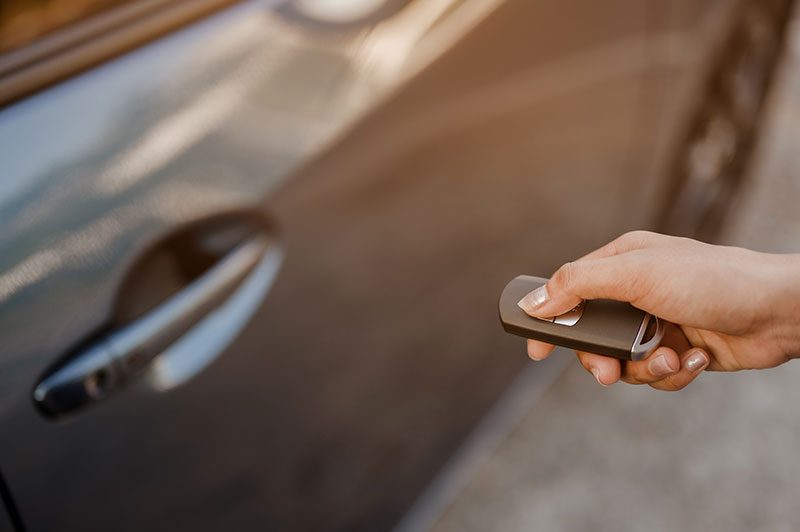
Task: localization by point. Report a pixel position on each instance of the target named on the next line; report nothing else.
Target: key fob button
(570, 318)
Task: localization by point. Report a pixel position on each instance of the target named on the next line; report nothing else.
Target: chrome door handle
(104, 366)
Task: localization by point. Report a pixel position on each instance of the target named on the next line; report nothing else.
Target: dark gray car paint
(10, 521)
(354, 383)
(5, 522)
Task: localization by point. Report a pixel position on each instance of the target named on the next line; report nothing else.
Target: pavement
(566, 454)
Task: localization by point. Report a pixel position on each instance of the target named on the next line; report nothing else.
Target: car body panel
(6, 524)
(377, 349)
(685, 39)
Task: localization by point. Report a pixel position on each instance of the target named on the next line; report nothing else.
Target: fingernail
(534, 300)
(697, 361)
(660, 367)
(596, 373)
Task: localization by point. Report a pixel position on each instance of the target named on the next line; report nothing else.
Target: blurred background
(251, 255)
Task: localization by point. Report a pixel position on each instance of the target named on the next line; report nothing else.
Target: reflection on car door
(377, 349)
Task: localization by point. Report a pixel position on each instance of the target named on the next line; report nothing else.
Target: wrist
(785, 315)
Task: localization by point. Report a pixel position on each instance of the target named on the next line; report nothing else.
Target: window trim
(79, 47)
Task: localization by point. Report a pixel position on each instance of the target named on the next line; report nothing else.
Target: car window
(24, 21)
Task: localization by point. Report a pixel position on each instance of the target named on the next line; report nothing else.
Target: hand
(735, 308)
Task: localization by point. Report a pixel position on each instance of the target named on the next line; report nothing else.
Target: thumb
(620, 277)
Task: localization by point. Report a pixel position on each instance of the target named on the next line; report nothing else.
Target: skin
(730, 308)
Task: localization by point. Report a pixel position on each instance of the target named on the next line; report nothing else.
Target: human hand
(730, 308)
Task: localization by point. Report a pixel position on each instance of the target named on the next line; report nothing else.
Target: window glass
(23, 21)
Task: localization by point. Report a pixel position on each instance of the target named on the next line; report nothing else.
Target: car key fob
(602, 326)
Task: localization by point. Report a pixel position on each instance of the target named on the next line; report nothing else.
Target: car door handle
(105, 365)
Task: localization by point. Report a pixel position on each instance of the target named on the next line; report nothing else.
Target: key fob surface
(601, 326)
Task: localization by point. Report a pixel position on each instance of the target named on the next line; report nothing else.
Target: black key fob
(601, 326)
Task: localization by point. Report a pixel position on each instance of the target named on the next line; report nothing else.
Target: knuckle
(635, 239)
(627, 237)
(674, 384)
(642, 234)
(630, 380)
(642, 375)
(583, 358)
(564, 277)
(638, 284)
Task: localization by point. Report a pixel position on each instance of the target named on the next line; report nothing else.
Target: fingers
(662, 363)
(663, 370)
(601, 273)
(693, 362)
(539, 350)
(622, 277)
(606, 370)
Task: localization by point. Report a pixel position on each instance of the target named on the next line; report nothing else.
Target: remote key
(602, 326)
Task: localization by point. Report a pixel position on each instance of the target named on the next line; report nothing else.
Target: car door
(8, 523)
(153, 204)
